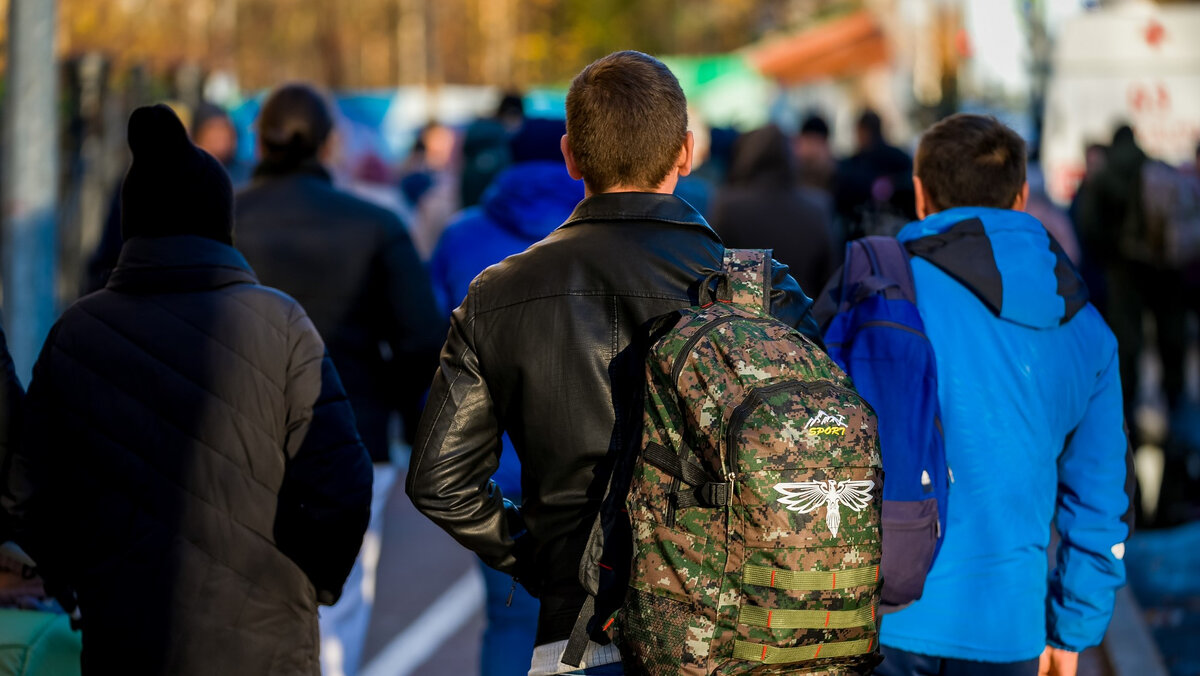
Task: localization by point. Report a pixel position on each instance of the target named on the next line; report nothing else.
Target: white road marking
(421, 639)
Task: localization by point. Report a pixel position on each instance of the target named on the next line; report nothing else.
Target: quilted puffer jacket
(193, 472)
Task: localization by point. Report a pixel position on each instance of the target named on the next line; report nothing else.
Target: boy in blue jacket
(1030, 396)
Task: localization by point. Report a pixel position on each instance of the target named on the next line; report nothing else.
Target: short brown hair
(970, 161)
(626, 121)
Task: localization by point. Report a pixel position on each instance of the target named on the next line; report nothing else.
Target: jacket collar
(266, 171)
(638, 206)
(178, 264)
(1006, 258)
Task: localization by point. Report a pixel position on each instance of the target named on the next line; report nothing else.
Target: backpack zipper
(892, 325)
(738, 418)
(677, 367)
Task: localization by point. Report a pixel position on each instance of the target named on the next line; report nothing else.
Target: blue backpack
(872, 329)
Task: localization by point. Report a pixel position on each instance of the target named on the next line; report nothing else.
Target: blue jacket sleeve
(1093, 518)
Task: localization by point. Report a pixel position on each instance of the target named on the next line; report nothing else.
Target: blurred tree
(379, 43)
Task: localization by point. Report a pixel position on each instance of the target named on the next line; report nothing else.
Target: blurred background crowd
(805, 114)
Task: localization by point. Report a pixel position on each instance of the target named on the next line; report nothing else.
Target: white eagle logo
(807, 496)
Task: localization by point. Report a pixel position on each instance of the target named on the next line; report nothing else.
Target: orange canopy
(843, 46)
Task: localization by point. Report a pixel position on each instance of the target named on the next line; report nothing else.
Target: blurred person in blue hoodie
(526, 202)
(1030, 393)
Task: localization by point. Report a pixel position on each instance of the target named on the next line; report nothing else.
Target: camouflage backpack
(755, 503)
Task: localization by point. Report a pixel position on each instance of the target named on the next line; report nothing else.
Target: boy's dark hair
(626, 121)
(970, 161)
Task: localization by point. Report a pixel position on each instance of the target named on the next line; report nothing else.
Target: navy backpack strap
(890, 272)
(872, 265)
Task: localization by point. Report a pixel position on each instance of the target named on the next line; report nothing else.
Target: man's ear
(572, 168)
(1022, 199)
(922, 198)
(684, 163)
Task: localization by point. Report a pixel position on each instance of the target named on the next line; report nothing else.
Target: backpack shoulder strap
(879, 265)
(749, 275)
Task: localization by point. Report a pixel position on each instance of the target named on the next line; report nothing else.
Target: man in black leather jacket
(546, 345)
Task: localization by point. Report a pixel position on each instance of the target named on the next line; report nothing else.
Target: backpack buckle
(713, 494)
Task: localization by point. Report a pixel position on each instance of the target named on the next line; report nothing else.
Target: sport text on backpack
(873, 330)
(755, 502)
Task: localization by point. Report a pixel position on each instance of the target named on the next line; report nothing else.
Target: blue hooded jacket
(526, 202)
(1031, 408)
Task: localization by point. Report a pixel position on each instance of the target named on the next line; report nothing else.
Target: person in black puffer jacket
(192, 470)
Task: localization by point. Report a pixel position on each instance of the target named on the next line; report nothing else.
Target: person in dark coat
(761, 206)
(352, 265)
(873, 192)
(212, 131)
(192, 470)
(12, 397)
(1115, 226)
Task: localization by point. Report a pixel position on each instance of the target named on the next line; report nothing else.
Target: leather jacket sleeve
(791, 306)
(457, 452)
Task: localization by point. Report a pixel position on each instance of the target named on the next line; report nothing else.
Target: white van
(1135, 63)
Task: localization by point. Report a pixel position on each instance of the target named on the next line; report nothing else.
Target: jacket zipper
(704, 330)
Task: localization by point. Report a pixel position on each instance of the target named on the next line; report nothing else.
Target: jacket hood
(531, 199)
(1004, 257)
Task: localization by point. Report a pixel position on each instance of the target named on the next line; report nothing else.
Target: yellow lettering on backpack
(830, 431)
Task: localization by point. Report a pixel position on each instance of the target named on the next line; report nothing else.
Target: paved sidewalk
(419, 566)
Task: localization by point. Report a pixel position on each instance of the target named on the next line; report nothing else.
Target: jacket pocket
(910, 533)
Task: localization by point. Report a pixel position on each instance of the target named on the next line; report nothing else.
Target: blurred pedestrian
(429, 182)
(762, 206)
(1055, 220)
(545, 347)
(352, 265)
(874, 192)
(1091, 268)
(12, 397)
(214, 133)
(1030, 397)
(192, 471)
(39, 637)
(1115, 227)
(528, 201)
(1094, 158)
(485, 148)
(814, 154)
